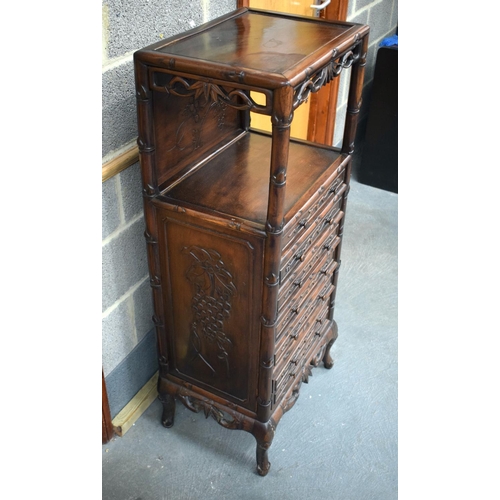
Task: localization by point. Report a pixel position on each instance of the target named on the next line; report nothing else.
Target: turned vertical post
(281, 118)
(351, 122)
(354, 99)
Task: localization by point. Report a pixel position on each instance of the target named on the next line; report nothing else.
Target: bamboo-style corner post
(281, 118)
(351, 122)
(354, 99)
(146, 145)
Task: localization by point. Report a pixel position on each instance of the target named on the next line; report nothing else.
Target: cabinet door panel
(214, 309)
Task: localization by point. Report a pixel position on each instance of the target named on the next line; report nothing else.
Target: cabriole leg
(327, 359)
(264, 434)
(263, 463)
(167, 417)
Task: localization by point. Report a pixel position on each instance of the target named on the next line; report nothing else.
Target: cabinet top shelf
(254, 47)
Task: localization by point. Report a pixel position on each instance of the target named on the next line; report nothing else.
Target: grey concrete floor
(339, 441)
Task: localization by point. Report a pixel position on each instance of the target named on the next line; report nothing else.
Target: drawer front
(305, 219)
(294, 335)
(302, 279)
(296, 255)
(299, 310)
(306, 282)
(293, 369)
(306, 276)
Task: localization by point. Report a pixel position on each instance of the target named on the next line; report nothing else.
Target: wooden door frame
(107, 426)
(323, 106)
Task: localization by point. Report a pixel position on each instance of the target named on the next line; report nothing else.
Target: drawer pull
(295, 309)
(301, 256)
(303, 223)
(298, 283)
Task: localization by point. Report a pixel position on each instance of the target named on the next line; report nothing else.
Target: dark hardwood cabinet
(243, 228)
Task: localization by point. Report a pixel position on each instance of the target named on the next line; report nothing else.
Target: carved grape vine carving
(211, 304)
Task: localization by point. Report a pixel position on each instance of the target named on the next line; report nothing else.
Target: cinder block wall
(128, 341)
(382, 17)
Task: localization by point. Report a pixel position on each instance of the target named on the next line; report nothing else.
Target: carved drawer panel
(297, 253)
(302, 281)
(292, 336)
(308, 216)
(325, 194)
(298, 310)
(291, 372)
(295, 315)
(291, 342)
(305, 258)
(322, 275)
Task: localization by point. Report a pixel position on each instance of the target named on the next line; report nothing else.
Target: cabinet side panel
(215, 322)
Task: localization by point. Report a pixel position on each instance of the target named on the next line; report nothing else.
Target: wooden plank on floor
(136, 406)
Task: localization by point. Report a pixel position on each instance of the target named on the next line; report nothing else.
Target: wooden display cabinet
(243, 229)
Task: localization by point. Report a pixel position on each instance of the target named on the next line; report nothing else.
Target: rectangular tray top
(253, 47)
(258, 41)
(239, 178)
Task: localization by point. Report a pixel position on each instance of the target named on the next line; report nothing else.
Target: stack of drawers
(306, 290)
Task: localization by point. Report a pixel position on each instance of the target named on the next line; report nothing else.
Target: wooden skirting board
(136, 407)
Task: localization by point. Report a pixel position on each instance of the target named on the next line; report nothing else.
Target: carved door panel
(215, 309)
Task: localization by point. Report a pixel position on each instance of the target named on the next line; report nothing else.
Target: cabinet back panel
(187, 128)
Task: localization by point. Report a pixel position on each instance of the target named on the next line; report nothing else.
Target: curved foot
(327, 359)
(263, 463)
(167, 417)
(264, 434)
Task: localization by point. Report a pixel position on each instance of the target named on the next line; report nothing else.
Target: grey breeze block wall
(128, 338)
